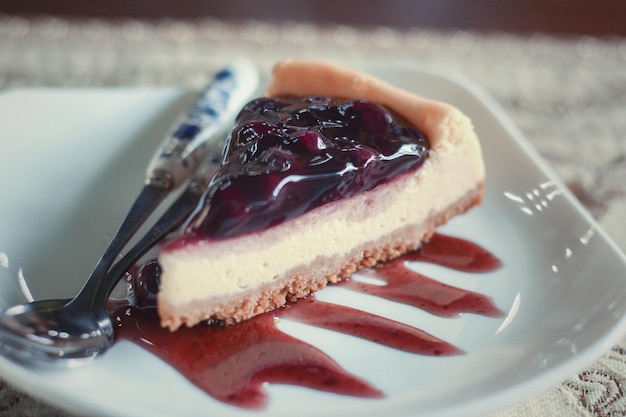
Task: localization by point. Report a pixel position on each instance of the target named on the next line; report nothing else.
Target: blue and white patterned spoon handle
(181, 153)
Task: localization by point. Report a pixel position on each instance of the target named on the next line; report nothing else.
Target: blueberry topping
(145, 284)
(287, 156)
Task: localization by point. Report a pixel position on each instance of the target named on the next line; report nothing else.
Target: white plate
(72, 161)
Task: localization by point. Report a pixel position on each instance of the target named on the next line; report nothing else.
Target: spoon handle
(146, 202)
(173, 218)
(180, 153)
(217, 106)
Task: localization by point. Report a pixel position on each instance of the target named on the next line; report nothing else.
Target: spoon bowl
(58, 328)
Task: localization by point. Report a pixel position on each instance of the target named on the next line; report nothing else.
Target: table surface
(565, 89)
(598, 17)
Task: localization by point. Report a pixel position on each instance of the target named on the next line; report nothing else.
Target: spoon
(47, 331)
(79, 328)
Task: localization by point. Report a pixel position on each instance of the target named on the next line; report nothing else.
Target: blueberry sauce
(366, 326)
(286, 156)
(231, 363)
(455, 253)
(406, 286)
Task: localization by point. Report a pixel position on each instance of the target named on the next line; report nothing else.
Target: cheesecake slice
(332, 171)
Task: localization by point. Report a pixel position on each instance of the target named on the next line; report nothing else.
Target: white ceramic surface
(73, 160)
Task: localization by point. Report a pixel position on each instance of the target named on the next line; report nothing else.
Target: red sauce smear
(455, 253)
(232, 363)
(406, 286)
(366, 326)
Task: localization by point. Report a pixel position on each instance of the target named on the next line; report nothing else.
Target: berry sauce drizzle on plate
(231, 363)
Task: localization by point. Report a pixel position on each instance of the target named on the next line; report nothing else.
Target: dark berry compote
(287, 156)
